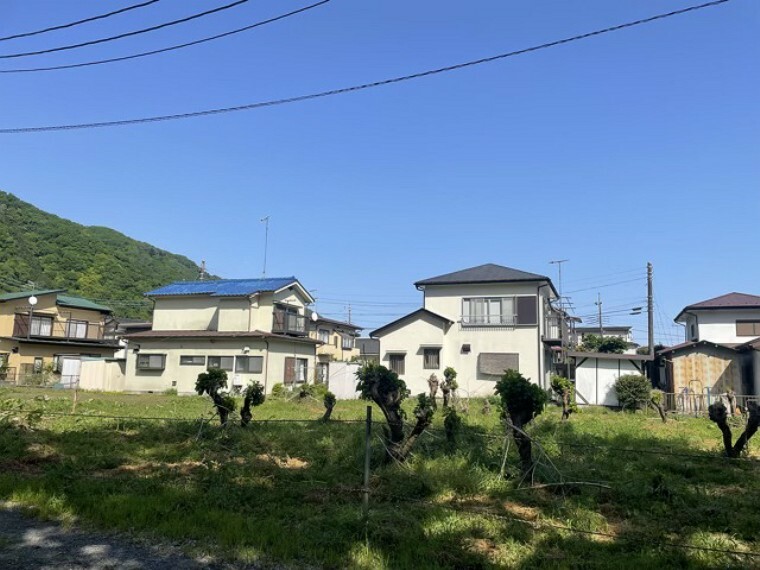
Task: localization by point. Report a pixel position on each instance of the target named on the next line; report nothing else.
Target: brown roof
(217, 334)
(728, 301)
(692, 343)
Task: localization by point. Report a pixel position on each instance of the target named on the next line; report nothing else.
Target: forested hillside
(95, 262)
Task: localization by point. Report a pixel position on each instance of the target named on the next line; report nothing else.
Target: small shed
(596, 373)
(693, 367)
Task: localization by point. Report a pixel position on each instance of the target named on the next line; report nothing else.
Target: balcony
(49, 328)
(287, 322)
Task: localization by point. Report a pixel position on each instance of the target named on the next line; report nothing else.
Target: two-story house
(254, 329)
(481, 321)
(338, 343)
(44, 334)
(719, 351)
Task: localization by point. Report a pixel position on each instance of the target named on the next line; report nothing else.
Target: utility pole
(562, 317)
(265, 221)
(650, 310)
(599, 306)
(202, 273)
(349, 314)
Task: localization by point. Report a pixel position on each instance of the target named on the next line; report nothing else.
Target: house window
(223, 362)
(323, 335)
(348, 342)
(37, 369)
(250, 364)
(693, 329)
(295, 370)
(431, 358)
(192, 360)
(151, 361)
(396, 363)
(42, 326)
(490, 311)
(748, 328)
(76, 328)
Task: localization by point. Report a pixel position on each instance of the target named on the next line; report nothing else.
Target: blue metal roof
(222, 287)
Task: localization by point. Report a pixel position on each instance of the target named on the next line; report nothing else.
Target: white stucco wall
(273, 371)
(720, 325)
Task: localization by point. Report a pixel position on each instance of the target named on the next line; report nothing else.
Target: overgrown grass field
(288, 492)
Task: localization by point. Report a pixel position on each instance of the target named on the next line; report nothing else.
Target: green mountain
(94, 262)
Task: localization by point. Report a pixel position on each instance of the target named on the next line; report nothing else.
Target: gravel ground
(31, 544)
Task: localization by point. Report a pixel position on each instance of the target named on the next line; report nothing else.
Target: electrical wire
(79, 22)
(638, 279)
(128, 34)
(361, 87)
(171, 48)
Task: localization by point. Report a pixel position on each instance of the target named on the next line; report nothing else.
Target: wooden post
(367, 457)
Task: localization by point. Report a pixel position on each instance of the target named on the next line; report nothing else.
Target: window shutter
(290, 370)
(527, 311)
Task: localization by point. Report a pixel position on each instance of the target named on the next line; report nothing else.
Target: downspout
(266, 366)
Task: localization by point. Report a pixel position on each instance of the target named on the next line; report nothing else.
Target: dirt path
(30, 544)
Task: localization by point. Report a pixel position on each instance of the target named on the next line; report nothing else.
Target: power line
(419, 75)
(130, 34)
(79, 22)
(171, 48)
(604, 285)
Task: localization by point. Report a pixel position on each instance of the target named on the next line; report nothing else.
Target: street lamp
(32, 303)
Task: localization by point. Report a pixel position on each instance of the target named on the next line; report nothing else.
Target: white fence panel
(342, 380)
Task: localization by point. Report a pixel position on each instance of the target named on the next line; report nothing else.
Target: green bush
(279, 391)
(519, 396)
(633, 391)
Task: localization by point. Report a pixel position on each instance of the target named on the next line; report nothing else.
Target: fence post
(367, 457)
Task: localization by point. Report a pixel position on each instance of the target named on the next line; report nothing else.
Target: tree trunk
(245, 412)
(524, 446)
(660, 410)
(749, 431)
(566, 410)
(446, 393)
(719, 415)
(328, 413)
(220, 408)
(401, 452)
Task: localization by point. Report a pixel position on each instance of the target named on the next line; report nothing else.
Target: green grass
(285, 492)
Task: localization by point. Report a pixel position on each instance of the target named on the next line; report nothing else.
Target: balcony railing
(488, 320)
(285, 322)
(553, 329)
(55, 329)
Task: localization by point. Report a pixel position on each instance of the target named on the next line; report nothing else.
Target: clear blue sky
(636, 146)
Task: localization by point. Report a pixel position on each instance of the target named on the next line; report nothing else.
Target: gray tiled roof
(487, 273)
(728, 301)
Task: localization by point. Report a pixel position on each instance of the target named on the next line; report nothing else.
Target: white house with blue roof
(254, 329)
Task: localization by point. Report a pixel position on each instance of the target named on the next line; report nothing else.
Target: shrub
(211, 382)
(565, 389)
(521, 401)
(452, 424)
(170, 392)
(329, 402)
(449, 385)
(278, 391)
(253, 395)
(633, 391)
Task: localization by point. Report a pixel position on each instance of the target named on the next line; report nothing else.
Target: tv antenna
(265, 221)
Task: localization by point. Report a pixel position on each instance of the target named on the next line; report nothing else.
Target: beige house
(45, 334)
(338, 343)
(481, 321)
(254, 329)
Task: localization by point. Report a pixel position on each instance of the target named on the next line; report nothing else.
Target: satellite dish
(314, 316)
(32, 300)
